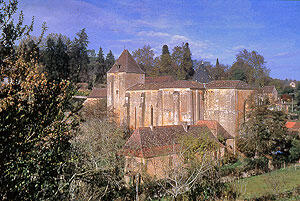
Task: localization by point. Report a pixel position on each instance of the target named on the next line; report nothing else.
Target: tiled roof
(167, 85)
(228, 84)
(98, 93)
(216, 128)
(268, 89)
(292, 125)
(161, 140)
(125, 63)
(159, 79)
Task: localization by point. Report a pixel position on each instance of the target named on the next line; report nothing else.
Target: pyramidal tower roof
(125, 63)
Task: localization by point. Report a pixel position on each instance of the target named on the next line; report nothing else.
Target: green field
(275, 182)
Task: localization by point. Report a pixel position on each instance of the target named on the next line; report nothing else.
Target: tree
(79, 57)
(98, 174)
(34, 130)
(192, 169)
(238, 71)
(264, 133)
(257, 72)
(219, 72)
(182, 57)
(56, 59)
(166, 67)
(10, 32)
(145, 58)
(109, 60)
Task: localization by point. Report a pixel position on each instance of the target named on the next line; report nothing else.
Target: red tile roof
(167, 85)
(228, 84)
(292, 125)
(216, 128)
(98, 93)
(125, 63)
(161, 140)
(159, 79)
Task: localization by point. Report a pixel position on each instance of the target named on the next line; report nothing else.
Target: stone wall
(164, 107)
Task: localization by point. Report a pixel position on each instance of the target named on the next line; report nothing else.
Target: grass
(275, 182)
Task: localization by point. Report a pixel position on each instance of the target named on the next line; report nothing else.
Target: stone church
(140, 101)
(159, 109)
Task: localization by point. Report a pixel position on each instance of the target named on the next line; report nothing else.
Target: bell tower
(124, 74)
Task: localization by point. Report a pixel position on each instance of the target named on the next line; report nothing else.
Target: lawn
(275, 182)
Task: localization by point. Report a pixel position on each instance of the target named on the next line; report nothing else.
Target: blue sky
(214, 28)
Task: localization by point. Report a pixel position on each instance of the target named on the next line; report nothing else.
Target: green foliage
(181, 56)
(56, 59)
(264, 133)
(145, 58)
(35, 133)
(295, 150)
(79, 58)
(274, 183)
(10, 32)
(34, 128)
(253, 64)
(109, 60)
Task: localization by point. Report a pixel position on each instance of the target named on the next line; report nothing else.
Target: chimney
(185, 126)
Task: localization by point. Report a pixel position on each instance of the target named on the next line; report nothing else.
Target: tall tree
(264, 132)
(79, 57)
(257, 72)
(34, 131)
(187, 63)
(184, 65)
(166, 67)
(56, 59)
(145, 58)
(109, 60)
(100, 67)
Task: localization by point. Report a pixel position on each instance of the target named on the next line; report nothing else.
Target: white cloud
(153, 34)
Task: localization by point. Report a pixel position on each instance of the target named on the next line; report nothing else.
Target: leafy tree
(182, 57)
(56, 59)
(79, 57)
(99, 168)
(145, 58)
(264, 133)
(34, 131)
(219, 72)
(109, 60)
(256, 70)
(238, 71)
(10, 32)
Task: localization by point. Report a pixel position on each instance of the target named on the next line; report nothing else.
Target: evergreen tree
(165, 63)
(187, 63)
(165, 50)
(184, 65)
(101, 69)
(109, 60)
(56, 59)
(79, 57)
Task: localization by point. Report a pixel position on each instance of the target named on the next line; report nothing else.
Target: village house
(155, 107)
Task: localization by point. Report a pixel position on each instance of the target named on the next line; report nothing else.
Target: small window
(119, 66)
(117, 91)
